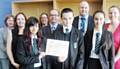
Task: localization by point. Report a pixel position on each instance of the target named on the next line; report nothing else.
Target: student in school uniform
(99, 45)
(76, 44)
(29, 47)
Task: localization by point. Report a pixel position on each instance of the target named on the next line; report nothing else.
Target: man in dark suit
(54, 25)
(48, 32)
(99, 46)
(84, 21)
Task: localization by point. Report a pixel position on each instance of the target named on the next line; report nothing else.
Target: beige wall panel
(32, 9)
(75, 6)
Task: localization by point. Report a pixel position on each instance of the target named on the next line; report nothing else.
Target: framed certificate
(57, 47)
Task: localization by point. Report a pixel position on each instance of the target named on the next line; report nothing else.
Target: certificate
(57, 47)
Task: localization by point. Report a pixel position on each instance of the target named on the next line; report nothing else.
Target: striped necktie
(97, 46)
(83, 20)
(34, 47)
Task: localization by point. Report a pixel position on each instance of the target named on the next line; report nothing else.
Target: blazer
(24, 57)
(89, 28)
(47, 33)
(90, 22)
(3, 42)
(76, 51)
(106, 52)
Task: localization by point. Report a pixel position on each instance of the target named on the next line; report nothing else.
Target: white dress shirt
(53, 25)
(69, 29)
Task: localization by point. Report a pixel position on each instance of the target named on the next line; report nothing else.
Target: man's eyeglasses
(54, 15)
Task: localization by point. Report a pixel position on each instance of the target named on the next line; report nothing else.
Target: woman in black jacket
(28, 51)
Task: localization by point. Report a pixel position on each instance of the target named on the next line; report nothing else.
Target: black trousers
(94, 64)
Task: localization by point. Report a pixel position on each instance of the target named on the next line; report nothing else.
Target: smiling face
(44, 20)
(20, 20)
(67, 19)
(114, 13)
(10, 22)
(84, 8)
(54, 16)
(99, 20)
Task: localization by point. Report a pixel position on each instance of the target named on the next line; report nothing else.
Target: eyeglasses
(54, 15)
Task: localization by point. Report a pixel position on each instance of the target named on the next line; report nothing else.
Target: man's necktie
(97, 43)
(83, 20)
(53, 28)
(67, 34)
(34, 47)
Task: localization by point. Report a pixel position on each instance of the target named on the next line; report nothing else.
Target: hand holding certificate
(57, 48)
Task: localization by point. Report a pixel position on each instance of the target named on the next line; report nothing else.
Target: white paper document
(57, 47)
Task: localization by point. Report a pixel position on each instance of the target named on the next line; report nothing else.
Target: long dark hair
(31, 22)
(15, 20)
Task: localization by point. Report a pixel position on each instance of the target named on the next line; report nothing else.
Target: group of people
(93, 44)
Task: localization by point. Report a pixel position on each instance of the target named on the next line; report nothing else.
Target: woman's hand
(42, 54)
(16, 65)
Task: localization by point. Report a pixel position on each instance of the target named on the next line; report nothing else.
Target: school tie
(67, 34)
(97, 43)
(66, 30)
(83, 20)
(34, 47)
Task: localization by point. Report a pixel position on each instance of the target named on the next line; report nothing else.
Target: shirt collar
(34, 36)
(85, 17)
(100, 31)
(55, 25)
(69, 29)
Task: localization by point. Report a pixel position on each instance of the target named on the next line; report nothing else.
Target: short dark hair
(98, 11)
(66, 10)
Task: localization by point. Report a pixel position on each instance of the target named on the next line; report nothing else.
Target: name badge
(75, 45)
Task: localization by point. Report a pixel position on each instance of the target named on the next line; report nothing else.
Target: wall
(32, 9)
(75, 6)
(108, 3)
(5, 9)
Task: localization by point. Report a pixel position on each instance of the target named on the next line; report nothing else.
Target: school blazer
(76, 49)
(24, 57)
(106, 52)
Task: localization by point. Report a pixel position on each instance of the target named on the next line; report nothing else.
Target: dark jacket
(89, 28)
(47, 33)
(106, 52)
(90, 22)
(24, 56)
(76, 51)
